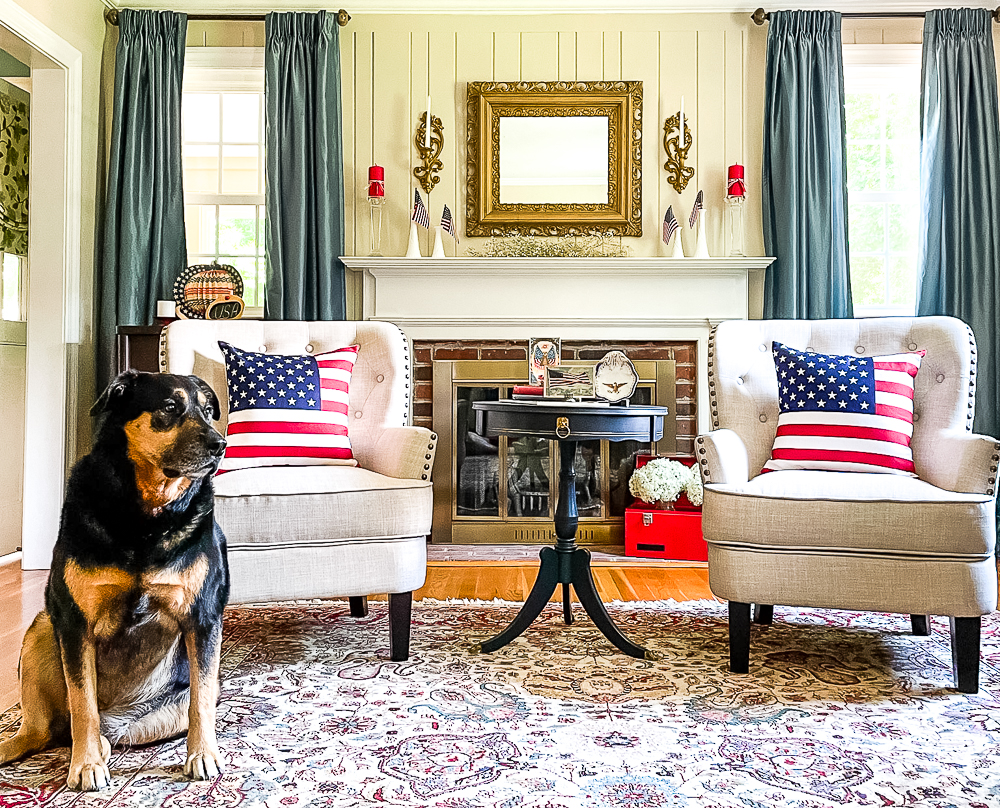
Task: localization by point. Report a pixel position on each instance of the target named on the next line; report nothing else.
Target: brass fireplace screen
(500, 491)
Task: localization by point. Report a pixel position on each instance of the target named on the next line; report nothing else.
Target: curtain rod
(111, 15)
(760, 16)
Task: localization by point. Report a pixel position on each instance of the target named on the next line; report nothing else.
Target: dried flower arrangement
(518, 246)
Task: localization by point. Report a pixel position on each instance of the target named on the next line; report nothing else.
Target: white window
(223, 160)
(882, 98)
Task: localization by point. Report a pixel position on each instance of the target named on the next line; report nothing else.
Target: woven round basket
(198, 286)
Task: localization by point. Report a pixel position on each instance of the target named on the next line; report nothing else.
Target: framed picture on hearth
(543, 352)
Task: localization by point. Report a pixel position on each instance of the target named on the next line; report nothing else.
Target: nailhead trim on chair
(712, 401)
(703, 459)
(971, 412)
(406, 368)
(163, 349)
(994, 466)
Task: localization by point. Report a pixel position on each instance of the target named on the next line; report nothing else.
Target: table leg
(583, 582)
(545, 585)
(567, 608)
(568, 565)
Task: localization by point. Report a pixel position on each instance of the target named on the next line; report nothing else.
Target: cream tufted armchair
(325, 531)
(873, 542)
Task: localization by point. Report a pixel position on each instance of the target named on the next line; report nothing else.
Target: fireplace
(495, 491)
(466, 309)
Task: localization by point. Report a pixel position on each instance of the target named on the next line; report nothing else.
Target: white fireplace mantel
(571, 298)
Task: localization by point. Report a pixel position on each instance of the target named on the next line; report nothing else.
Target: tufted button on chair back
(743, 388)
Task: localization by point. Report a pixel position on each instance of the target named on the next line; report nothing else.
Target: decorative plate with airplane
(615, 378)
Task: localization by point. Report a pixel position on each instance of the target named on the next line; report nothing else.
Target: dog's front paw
(203, 764)
(88, 776)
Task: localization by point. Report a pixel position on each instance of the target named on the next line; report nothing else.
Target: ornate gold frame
(620, 101)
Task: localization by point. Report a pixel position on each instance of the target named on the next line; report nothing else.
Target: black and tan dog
(127, 649)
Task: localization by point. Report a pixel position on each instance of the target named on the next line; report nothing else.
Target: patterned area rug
(840, 709)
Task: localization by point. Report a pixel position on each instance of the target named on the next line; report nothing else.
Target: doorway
(15, 108)
(52, 300)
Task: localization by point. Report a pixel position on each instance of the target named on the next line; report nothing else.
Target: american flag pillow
(287, 410)
(844, 413)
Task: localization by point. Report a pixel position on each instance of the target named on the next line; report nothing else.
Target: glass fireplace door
(503, 491)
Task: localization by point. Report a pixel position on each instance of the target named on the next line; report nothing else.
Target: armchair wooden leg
(359, 606)
(739, 637)
(763, 615)
(921, 625)
(399, 625)
(965, 653)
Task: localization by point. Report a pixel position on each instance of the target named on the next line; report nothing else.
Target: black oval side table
(568, 423)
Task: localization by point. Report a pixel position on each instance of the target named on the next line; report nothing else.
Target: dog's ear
(213, 399)
(116, 392)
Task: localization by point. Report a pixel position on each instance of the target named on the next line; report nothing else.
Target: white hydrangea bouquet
(662, 481)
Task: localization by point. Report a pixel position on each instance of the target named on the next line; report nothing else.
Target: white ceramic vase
(413, 246)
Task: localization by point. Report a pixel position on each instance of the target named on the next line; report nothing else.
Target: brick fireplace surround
(426, 352)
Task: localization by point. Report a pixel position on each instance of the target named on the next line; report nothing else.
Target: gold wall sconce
(677, 147)
(429, 148)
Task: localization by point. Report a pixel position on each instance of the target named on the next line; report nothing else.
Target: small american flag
(699, 206)
(287, 410)
(844, 413)
(670, 224)
(419, 215)
(448, 223)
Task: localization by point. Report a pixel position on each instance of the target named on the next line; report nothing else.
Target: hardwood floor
(21, 598)
(512, 580)
(21, 593)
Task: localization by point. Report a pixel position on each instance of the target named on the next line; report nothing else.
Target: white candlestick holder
(735, 204)
(376, 203)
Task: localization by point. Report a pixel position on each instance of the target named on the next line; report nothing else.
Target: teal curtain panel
(804, 183)
(144, 245)
(959, 269)
(304, 168)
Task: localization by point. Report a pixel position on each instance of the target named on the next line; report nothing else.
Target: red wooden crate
(653, 533)
(682, 503)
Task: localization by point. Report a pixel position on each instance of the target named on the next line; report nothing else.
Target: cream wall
(391, 63)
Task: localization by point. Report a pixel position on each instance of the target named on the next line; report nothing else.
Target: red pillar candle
(376, 181)
(736, 186)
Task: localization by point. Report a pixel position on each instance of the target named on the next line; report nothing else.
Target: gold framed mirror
(554, 158)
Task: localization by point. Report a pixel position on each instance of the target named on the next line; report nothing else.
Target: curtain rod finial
(111, 15)
(760, 16)
(343, 17)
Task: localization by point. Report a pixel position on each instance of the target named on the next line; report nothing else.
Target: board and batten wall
(392, 63)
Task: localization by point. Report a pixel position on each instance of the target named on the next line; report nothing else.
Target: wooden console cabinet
(138, 347)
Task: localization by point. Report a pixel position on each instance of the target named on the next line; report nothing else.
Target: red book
(528, 390)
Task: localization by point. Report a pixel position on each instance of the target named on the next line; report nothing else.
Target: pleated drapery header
(962, 23)
(805, 23)
(282, 25)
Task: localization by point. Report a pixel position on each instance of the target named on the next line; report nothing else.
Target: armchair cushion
(849, 512)
(287, 410)
(320, 505)
(844, 413)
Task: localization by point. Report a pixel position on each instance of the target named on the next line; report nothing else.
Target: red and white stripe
(850, 441)
(269, 437)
